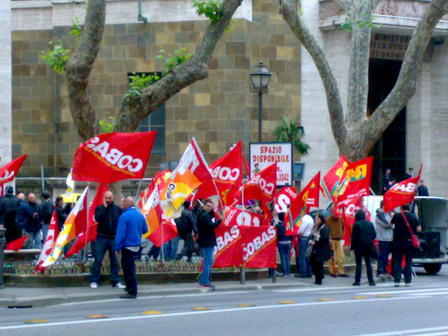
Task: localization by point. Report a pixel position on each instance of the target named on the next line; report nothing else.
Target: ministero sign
(263, 154)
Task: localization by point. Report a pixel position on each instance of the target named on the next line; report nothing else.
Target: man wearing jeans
(302, 261)
(207, 241)
(131, 226)
(384, 234)
(107, 217)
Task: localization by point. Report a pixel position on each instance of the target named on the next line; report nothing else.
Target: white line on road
(225, 310)
(421, 331)
(319, 289)
(413, 291)
(156, 297)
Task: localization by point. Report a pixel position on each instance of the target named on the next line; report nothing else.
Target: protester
(131, 226)
(387, 181)
(8, 214)
(384, 235)
(336, 227)
(35, 228)
(302, 261)
(409, 174)
(321, 251)
(422, 189)
(47, 207)
(27, 223)
(24, 212)
(405, 224)
(207, 241)
(60, 212)
(363, 234)
(185, 227)
(283, 245)
(170, 248)
(107, 216)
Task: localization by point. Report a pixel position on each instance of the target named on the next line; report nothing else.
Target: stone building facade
(217, 111)
(423, 126)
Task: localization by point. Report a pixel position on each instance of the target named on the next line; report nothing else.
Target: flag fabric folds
(334, 175)
(401, 193)
(70, 229)
(9, 171)
(53, 231)
(16, 244)
(113, 157)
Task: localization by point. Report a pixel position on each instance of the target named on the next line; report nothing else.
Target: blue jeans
(303, 262)
(170, 248)
(385, 248)
(284, 250)
(36, 239)
(102, 245)
(208, 254)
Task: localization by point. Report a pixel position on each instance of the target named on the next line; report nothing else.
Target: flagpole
(139, 188)
(87, 224)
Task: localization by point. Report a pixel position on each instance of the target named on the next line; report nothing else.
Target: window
(154, 122)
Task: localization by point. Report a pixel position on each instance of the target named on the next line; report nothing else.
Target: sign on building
(263, 154)
(388, 46)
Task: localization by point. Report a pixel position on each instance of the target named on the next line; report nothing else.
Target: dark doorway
(390, 150)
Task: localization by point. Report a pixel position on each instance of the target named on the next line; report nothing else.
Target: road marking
(383, 296)
(324, 300)
(97, 316)
(225, 310)
(421, 331)
(318, 289)
(200, 308)
(245, 305)
(33, 321)
(286, 302)
(429, 293)
(152, 312)
(399, 291)
(358, 297)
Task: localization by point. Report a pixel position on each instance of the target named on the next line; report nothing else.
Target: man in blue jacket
(131, 227)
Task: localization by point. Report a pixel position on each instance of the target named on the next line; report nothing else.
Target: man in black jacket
(107, 217)
(8, 213)
(46, 208)
(34, 226)
(207, 241)
(185, 226)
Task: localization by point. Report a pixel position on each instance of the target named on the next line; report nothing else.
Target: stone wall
(217, 111)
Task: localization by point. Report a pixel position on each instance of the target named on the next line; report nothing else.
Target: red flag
(259, 247)
(90, 233)
(313, 188)
(283, 199)
(401, 193)
(226, 172)
(17, 244)
(112, 157)
(355, 182)
(240, 217)
(9, 171)
(297, 210)
(159, 178)
(228, 249)
(332, 178)
(166, 231)
(53, 231)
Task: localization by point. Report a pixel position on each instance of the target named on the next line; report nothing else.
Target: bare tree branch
(180, 77)
(361, 22)
(289, 10)
(80, 65)
(407, 80)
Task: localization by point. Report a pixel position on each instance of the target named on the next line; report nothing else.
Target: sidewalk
(37, 297)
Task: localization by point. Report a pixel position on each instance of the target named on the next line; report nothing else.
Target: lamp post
(260, 78)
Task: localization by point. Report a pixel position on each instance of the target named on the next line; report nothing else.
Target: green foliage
(289, 131)
(138, 83)
(75, 28)
(107, 125)
(348, 25)
(210, 8)
(180, 56)
(57, 57)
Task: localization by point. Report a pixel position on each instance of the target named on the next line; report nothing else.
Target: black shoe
(372, 283)
(128, 296)
(356, 284)
(343, 275)
(333, 275)
(318, 282)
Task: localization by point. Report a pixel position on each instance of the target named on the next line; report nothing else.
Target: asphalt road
(329, 310)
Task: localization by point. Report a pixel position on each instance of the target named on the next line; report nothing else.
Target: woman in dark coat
(363, 234)
(320, 252)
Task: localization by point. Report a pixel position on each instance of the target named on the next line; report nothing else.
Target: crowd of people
(319, 239)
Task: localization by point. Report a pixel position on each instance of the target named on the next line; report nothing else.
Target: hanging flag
(226, 172)
(90, 233)
(298, 209)
(333, 176)
(259, 247)
(401, 193)
(191, 171)
(17, 244)
(241, 217)
(159, 178)
(283, 199)
(9, 171)
(113, 157)
(70, 229)
(313, 188)
(53, 231)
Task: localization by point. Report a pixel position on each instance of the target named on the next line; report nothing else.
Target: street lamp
(260, 77)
